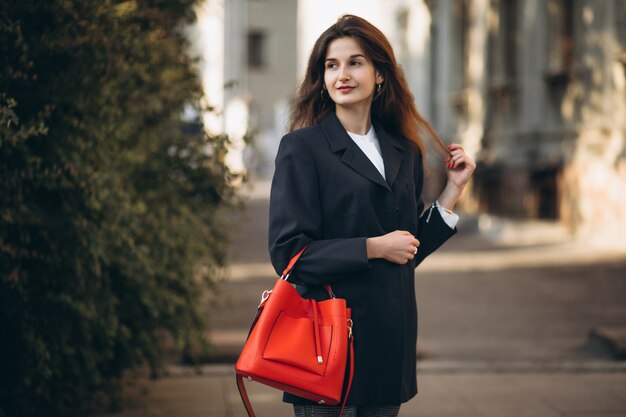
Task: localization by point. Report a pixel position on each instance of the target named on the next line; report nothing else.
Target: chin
(343, 101)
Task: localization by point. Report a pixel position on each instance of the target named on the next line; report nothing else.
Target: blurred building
(248, 65)
(534, 89)
(254, 52)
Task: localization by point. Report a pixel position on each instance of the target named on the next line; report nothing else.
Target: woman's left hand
(460, 166)
(460, 169)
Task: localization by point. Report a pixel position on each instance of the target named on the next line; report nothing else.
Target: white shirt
(370, 146)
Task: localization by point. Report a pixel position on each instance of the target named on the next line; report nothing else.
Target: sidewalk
(504, 329)
(518, 393)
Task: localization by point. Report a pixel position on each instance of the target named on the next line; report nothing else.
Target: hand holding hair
(460, 168)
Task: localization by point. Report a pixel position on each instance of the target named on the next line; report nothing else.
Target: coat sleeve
(432, 230)
(295, 220)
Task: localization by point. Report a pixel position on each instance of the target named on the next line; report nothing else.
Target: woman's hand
(398, 247)
(460, 169)
(460, 166)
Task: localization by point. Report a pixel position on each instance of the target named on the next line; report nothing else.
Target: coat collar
(391, 149)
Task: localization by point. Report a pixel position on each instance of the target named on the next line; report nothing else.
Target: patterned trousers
(349, 411)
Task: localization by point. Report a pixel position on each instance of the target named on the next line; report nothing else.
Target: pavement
(516, 319)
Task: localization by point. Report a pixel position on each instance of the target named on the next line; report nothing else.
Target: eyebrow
(351, 57)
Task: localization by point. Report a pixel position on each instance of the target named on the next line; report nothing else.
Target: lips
(345, 89)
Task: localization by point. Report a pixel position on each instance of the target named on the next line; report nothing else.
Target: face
(349, 76)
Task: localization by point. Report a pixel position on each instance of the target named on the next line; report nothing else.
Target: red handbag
(300, 346)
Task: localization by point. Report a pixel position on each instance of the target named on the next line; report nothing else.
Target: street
(503, 331)
(477, 300)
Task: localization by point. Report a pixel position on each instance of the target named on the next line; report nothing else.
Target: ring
(415, 253)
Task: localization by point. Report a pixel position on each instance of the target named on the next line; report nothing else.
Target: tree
(109, 210)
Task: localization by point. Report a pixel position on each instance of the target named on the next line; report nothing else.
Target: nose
(343, 73)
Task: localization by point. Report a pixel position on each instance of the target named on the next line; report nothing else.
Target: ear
(379, 78)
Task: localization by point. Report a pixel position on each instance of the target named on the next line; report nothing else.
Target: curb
(441, 367)
(611, 337)
(468, 261)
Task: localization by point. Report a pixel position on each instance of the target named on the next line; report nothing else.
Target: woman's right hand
(398, 247)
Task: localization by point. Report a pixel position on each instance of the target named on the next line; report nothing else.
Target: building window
(257, 49)
(503, 46)
(460, 45)
(460, 11)
(560, 39)
(620, 28)
(435, 77)
(403, 51)
(543, 199)
(509, 15)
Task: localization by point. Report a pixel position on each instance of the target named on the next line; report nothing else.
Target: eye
(355, 63)
(331, 65)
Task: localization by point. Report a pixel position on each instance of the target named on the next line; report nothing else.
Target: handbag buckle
(264, 297)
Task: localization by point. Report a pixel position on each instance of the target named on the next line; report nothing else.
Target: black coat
(326, 193)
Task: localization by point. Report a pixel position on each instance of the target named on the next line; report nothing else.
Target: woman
(349, 183)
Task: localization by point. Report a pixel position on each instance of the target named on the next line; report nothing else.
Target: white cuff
(448, 216)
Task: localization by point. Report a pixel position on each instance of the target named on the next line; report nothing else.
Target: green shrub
(109, 210)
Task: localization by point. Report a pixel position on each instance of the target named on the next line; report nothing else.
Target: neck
(355, 119)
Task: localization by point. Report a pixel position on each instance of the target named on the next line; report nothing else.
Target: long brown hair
(393, 106)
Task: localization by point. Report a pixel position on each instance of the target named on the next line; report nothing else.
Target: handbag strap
(292, 263)
(246, 401)
(244, 396)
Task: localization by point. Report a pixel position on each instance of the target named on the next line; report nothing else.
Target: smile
(345, 89)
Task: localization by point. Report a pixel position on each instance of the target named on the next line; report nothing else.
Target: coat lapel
(339, 140)
(392, 152)
(390, 146)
